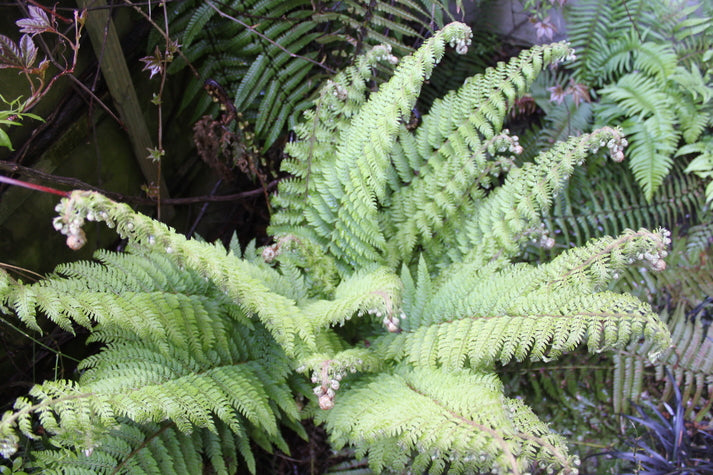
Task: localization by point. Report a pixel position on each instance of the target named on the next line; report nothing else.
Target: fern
(585, 388)
(650, 126)
(168, 354)
(612, 383)
(683, 294)
(460, 407)
(649, 84)
(607, 201)
(393, 283)
(272, 55)
(596, 29)
(149, 448)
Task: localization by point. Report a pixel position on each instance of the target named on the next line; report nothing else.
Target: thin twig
(22, 271)
(204, 208)
(159, 104)
(64, 70)
(32, 186)
(74, 183)
(163, 33)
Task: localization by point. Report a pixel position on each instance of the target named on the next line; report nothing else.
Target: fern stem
(144, 443)
(38, 342)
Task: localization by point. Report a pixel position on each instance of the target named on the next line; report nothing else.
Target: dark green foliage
(648, 63)
(149, 448)
(453, 70)
(606, 200)
(581, 396)
(690, 358)
(272, 56)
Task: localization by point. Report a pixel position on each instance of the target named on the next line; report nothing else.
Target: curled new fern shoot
(393, 285)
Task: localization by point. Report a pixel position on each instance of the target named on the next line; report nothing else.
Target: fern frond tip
(461, 38)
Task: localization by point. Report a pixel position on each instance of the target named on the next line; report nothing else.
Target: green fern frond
(242, 281)
(511, 214)
(654, 35)
(687, 280)
(118, 273)
(699, 237)
(150, 448)
(361, 293)
(463, 424)
(651, 126)
(452, 71)
(77, 298)
(687, 283)
(381, 17)
(253, 64)
(196, 22)
(656, 60)
(319, 136)
(591, 27)
(639, 96)
(348, 193)
(683, 24)
(520, 312)
(167, 356)
(466, 124)
(702, 164)
(363, 158)
(652, 85)
(653, 142)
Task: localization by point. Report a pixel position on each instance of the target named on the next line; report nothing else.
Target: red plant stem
(32, 186)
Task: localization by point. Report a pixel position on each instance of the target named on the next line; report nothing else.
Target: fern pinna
(392, 283)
